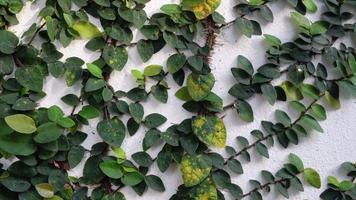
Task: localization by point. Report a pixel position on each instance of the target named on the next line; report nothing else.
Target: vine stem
(159, 82)
(273, 134)
(263, 187)
(227, 24)
(233, 104)
(34, 35)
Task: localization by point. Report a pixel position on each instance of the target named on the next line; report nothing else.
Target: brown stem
(263, 187)
(306, 110)
(159, 82)
(18, 62)
(34, 35)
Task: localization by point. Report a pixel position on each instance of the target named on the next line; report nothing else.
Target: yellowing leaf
(199, 86)
(201, 8)
(291, 91)
(204, 191)
(45, 190)
(21, 123)
(86, 30)
(194, 169)
(210, 130)
(332, 102)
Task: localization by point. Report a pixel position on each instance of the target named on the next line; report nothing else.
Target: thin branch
(34, 35)
(159, 82)
(263, 187)
(273, 134)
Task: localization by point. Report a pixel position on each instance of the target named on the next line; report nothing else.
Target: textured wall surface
(324, 152)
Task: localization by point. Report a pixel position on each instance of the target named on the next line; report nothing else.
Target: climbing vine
(43, 144)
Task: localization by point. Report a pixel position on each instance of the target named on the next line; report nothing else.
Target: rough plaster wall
(324, 152)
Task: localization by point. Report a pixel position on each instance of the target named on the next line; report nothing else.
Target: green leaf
(296, 161)
(107, 94)
(70, 99)
(310, 91)
(65, 5)
(7, 64)
(145, 49)
(346, 185)
(24, 104)
(48, 132)
(15, 184)
(352, 62)
(137, 17)
(94, 84)
(171, 9)
(75, 155)
(136, 111)
(52, 27)
(255, 2)
(112, 131)
(210, 130)
(309, 122)
(269, 92)
(45, 190)
(301, 21)
(333, 180)
(245, 26)
(245, 64)
(89, 112)
(160, 93)
(155, 183)
(95, 70)
(154, 120)
(151, 32)
(196, 62)
(183, 94)
(319, 27)
(30, 77)
(312, 177)
(296, 105)
(245, 111)
(15, 6)
(114, 196)
(115, 57)
(235, 166)
(194, 168)
(262, 149)
(176, 62)
(205, 190)
(310, 5)
(21, 123)
(86, 29)
(66, 122)
(319, 111)
(8, 42)
(55, 113)
(199, 86)
(283, 117)
(111, 169)
(142, 158)
(272, 40)
(17, 144)
(132, 178)
(152, 70)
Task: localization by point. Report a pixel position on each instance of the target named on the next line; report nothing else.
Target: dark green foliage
(47, 142)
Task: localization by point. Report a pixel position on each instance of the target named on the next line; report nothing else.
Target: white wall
(324, 152)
